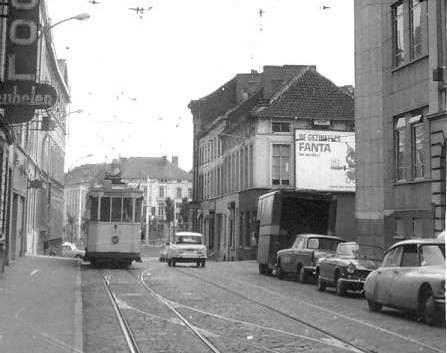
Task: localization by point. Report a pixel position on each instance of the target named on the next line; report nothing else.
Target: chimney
(175, 160)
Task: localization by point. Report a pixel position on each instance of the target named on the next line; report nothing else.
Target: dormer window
(280, 127)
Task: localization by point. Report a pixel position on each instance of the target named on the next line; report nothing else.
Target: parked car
(347, 269)
(301, 259)
(70, 250)
(164, 252)
(187, 247)
(411, 278)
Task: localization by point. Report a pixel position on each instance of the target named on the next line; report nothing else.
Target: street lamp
(80, 17)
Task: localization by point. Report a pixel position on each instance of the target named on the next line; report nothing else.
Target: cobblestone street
(238, 310)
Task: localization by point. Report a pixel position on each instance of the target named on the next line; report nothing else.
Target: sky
(133, 76)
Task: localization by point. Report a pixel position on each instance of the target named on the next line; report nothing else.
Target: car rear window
(432, 255)
(323, 244)
(188, 239)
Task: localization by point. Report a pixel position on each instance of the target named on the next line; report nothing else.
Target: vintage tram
(114, 226)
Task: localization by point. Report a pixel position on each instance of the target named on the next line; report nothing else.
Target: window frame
(287, 165)
(422, 7)
(281, 124)
(398, 57)
(415, 167)
(400, 140)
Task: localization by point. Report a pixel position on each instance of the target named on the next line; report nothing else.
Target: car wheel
(321, 284)
(429, 313)
(78, 257)
(198, 263)
(279, 272)
(173, 263)
(374, 306)
(203, 263)
(302, 275)
(340, 288)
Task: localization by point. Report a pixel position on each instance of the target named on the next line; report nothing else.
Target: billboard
(325, 160)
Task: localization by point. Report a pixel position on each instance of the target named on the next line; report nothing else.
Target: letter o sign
(24, 4)
(19, 26)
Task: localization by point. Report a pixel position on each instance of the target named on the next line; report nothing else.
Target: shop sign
(325, 160)
(20, 94)
(27, 94)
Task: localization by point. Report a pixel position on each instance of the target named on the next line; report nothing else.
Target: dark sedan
(348, 269)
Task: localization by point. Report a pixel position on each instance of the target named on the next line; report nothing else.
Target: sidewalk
(41, 306)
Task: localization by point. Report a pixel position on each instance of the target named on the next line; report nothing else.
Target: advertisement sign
(20, 94)
(325, 160)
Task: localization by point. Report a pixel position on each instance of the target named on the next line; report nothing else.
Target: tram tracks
(218, 335)
(125, 324)
(214, 331)
(344, 341)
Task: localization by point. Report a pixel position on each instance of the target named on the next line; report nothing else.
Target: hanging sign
(20, 94)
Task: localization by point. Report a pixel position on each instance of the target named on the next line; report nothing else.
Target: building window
(416, 28)
(417, 150)
(280, 164)
(190, 193)
(280, 127)
(153, 211)
(161, 191)
(179, 193)
(399, 228)
(398, 34)
(399, 148)
(418, 228)
(161, 209)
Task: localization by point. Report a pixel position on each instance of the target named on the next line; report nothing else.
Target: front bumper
(186, 258)
(353, 283)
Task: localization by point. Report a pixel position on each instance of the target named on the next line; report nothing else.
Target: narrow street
(238, 310)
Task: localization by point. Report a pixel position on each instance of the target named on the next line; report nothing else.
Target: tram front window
(105, 209)
(117, 203)
(138, 203)
(94, 208)
(127, 210)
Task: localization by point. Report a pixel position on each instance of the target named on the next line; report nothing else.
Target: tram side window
(93, 208)
(105, 209)
(127, 210)
(138, 203)
(117, 203)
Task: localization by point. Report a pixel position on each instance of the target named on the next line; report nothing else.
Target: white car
(70, 250)
(411, 278)
(187, 247)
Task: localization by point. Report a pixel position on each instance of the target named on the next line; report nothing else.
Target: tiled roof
(151, 167)
(131, 168)
(309, 95)
(86, 173)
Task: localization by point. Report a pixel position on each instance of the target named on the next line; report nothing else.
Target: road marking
(33, 272)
